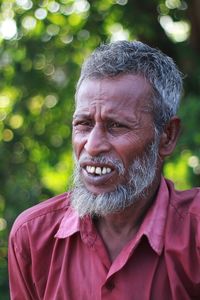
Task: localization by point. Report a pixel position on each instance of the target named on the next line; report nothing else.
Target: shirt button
(110, 285)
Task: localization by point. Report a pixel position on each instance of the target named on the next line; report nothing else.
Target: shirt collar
(70, 224)
(152, 227)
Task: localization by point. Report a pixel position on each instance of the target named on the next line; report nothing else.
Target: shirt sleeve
(19, 266)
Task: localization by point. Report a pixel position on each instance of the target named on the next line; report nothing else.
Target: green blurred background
(42, 45)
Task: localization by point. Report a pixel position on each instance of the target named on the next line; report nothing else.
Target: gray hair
(123, 57)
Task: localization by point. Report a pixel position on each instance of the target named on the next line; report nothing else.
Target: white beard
(140, 177)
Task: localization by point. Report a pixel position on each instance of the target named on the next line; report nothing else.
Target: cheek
(125, 151)
(128, 149)
(128, 158)
(78, 143)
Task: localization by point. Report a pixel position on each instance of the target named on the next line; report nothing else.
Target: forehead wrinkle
(94, 103)
(89, 93)
(97, 98)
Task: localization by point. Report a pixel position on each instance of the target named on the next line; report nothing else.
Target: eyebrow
(81, 115)
(112, 117)
(107, 119)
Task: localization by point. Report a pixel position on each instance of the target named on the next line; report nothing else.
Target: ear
(169, 137)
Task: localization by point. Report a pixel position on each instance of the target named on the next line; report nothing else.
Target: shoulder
(184, 203)
(52, 209)
(183, 218)
(182, 238)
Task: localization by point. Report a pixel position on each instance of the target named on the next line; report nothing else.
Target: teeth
(108, 170)
(92, 169)
(98, 170)
(104, 171)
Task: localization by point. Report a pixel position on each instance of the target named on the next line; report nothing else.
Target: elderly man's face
(113, 120)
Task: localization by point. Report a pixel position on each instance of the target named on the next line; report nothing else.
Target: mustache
(102, 159)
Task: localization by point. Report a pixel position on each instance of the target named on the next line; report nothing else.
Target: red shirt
(54, 255)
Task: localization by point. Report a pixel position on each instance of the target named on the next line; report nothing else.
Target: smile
(99, 178)
(98, 170)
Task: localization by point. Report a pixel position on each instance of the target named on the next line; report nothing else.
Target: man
(123, 232)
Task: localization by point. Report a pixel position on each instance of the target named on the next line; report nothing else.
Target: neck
(119, 228)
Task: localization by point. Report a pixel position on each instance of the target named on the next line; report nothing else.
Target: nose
(97, 141)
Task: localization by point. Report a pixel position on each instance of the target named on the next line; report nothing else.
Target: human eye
(117, 126)
(82, 124)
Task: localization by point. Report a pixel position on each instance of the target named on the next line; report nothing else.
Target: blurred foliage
(42, 45)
